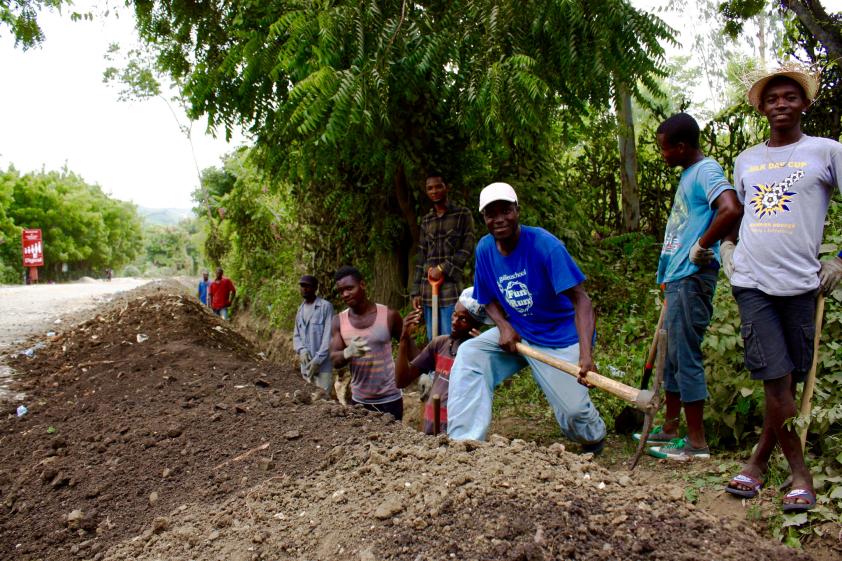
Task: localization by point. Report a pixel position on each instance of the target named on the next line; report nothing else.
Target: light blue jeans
(481, 365)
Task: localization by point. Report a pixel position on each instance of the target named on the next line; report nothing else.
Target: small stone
(74, 518)
(302, 397)
(292, 435)
(675, 493)
(166, 473)
(556, 448)
(624, 481)
(498, 440)
(388, 508)
(265, 464)
(213, 535)
(160, 524)
(153, 498)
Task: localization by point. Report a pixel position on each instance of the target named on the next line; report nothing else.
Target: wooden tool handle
(436, 413)
(810, 382)
(613, 387)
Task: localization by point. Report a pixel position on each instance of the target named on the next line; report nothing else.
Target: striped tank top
(372, 375)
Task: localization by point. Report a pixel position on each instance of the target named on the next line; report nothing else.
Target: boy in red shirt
(221, 294)
(437, 356)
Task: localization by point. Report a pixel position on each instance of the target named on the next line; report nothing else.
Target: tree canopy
(366, 97)
(82, 227)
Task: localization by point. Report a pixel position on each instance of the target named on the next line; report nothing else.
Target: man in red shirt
(221, 294)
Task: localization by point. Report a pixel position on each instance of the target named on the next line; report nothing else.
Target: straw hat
(805, 77)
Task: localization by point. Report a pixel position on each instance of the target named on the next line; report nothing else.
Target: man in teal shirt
(705, 210)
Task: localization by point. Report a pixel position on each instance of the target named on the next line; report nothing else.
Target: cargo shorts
(777, 333)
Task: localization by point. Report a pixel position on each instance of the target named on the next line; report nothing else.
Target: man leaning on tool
(533, 290)
(705, 210)
(786, 184)
(445, 244)
(311, 336)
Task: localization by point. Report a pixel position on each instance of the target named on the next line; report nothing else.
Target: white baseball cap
(496, 192)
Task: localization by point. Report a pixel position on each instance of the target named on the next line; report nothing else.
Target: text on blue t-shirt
(528, 283)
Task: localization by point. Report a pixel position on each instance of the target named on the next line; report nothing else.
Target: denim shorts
(689, 307)
(777, 333)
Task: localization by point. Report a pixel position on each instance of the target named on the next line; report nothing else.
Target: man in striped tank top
(361, 336)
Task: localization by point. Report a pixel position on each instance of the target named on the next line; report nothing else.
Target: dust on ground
(156, 432)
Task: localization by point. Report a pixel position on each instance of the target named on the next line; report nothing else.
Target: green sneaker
(656, 435)
(679, 450)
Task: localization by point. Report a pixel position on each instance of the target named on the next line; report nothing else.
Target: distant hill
(164, 216)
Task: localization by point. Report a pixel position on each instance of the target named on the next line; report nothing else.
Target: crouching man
(533, 291)
(437, 356)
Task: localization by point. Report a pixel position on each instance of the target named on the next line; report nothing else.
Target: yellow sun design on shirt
(772, 199)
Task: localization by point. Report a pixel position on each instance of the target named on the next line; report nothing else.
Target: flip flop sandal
(748, 481)
(805, 494)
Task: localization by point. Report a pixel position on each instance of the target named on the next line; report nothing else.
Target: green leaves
(82, 227)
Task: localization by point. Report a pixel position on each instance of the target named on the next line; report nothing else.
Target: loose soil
(155, 431)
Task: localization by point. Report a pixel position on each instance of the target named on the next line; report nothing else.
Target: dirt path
(156, 432)
(26, 311)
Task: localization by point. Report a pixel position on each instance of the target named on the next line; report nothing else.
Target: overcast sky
(56, 111)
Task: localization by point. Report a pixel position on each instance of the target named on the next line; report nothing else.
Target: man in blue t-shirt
(705, 210)
(532, 290)
(203, 288)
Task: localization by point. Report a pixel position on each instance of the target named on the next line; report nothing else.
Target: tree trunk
(815, 19)
(394, 268)
(628, 160)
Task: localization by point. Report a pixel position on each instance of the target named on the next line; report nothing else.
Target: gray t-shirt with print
(786, 191)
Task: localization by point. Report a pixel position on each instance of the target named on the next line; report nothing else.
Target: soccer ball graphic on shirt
(771, 199)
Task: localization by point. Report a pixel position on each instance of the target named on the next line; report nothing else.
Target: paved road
(33, 310)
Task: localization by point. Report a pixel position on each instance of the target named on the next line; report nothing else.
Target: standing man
(437, 356)
(786, 184)
(705, 210)
(221, 293)
(311, 336)
(203, 288)
(533, 291)
(444, 247)
(362, 336)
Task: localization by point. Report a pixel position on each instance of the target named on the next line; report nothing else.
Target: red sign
(33, 248)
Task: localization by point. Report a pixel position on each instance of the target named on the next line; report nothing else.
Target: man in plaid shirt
(446, 243)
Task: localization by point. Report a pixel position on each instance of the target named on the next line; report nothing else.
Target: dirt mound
(133, 413)
(156, 432)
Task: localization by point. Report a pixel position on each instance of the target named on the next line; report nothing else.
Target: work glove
(726, 253)
(699, 255)
(304, 358)
(425, 386)
(313, 369)
(357, 347)
(830, 274)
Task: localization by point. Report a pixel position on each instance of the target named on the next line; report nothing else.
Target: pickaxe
(648, 401)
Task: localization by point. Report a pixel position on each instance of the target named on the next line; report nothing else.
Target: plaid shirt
(447, 240)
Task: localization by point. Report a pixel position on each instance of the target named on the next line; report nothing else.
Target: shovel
(630, 418)
(434, 285)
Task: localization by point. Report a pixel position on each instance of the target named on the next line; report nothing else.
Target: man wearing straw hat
(785, 184)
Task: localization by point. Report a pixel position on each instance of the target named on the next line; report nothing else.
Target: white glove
(726, 253)
(830, 274)
(304, 358)
(357, 347)
(312, 369)
(425, 386)
(699, 255)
